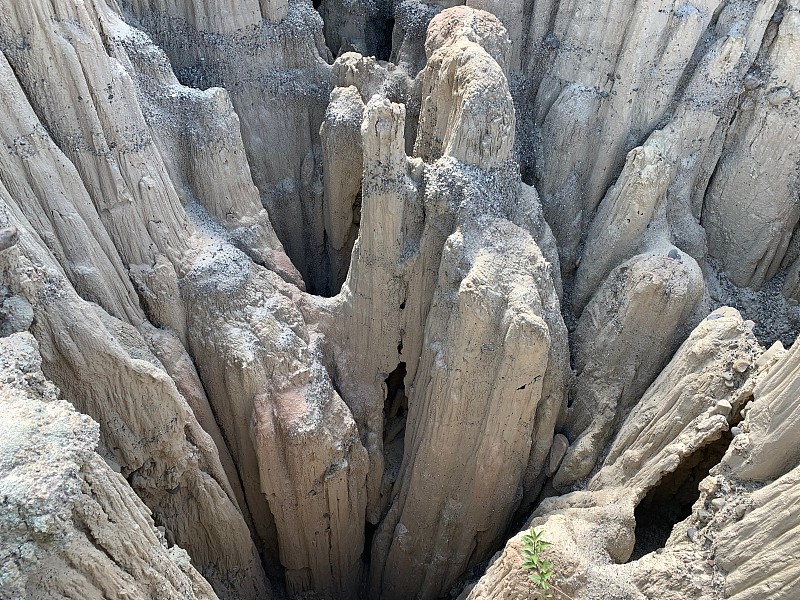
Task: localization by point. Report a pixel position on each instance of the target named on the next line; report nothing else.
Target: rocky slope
(72, 526)
(355, 292)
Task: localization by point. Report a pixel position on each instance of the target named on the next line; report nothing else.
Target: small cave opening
(395, 406)
(384, 31)
(671, 501)
(395, 411)
(369, 535)
(335, 262)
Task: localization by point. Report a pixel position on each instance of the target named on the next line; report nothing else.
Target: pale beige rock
(761, 452)
(468, 24)
(393, 282)
(750, 208)
(174, 468)
(71, 527)
(342, 169)
(611, 72)
(428, 398)
(102, 132)
(393, 321)
(557, 451)
(512, 16)
(319, 504)
(487, 322)
(585, 530)
(113, 370)
(623, 339)
(371, 77)
(376, 301)
(411, 20)
(179, 365)
(592, 530)
(758, 551)
(467, 111)
(751, 531)
(346, 26)
(198, 136)
(270, 57)
(625, 216)
(57, 202)
(679, 412)
(656, 205)
(272, 400)
(102, 122)
(103, 365)
(365, 73)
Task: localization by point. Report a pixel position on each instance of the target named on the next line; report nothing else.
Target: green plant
(540, 570)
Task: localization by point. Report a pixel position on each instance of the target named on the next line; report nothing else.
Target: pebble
(736, 431)
(691, 533)
(9, 236)
(704, 516)
(718, 503)
(741, 365)
(740, 510)
(752, 81)
(709, 485)
(779, 96)
(722, 407)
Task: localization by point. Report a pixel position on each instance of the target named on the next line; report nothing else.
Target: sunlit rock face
(331, 300)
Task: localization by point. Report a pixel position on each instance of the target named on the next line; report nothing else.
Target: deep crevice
(395, 411)
(396, 403)
(369, 533)
(671, 501)
(383, 38)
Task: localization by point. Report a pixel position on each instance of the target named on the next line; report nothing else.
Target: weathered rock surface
(71, 526)
(270, 57)
(343, 166)
(106, 369)
(716, 374)
(302, 274)
(445, 288)
(748, 234)
(623, 339)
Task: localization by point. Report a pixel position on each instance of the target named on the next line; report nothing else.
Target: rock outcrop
(295, 260)
(444, 289)
(71, 526)
(270, 57)
(660, 449)
(749, 237)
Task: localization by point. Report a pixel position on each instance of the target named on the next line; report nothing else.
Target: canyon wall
(338, 297)
(73, 526)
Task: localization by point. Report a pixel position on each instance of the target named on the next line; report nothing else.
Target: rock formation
(719, 374)
(72, 526)
(338, 296)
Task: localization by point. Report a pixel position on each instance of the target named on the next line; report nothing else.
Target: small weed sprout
(540, 570)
